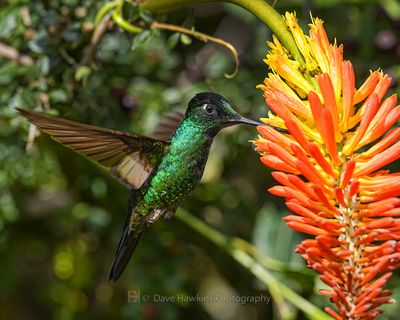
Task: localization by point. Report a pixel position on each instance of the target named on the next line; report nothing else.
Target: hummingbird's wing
(168, 124)
(130, 157)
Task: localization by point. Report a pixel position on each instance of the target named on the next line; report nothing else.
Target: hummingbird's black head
(213, 112)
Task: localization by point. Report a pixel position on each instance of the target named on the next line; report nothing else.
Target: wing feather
(168, 124)
(130, 157)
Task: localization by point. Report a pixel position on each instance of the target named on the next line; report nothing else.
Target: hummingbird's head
(213, 112)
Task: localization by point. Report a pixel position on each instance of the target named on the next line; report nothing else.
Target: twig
(95, 40)
(44, 104)
(31, 137)
(63, 53)
(11, 53)
(202, 37)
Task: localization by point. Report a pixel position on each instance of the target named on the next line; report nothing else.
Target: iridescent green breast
(179, 171)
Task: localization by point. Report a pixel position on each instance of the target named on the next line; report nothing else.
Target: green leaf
(185, 39)
(273, 237)
(146, 16)
(73, 34)
(82, 73)
(141, 38)
(173, 40)
(392, 8)
(58, 96)
(8, 23)
(43, 64)
(41, 43)
(23, 98)
(11, 70)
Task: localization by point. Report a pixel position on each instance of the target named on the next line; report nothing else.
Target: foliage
(61, 216)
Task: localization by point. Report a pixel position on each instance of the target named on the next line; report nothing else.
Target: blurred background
(61, 216)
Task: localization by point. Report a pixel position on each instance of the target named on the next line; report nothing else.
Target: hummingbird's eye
(209, 109)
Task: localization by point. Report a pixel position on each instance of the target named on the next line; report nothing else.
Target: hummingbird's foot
(157, 214)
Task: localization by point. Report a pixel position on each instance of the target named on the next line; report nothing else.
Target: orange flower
(330, 165)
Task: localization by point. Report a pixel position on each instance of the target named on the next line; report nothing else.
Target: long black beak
(249, 121)
(257, 123)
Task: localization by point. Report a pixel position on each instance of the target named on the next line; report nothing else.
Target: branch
(10, 53)
(98, 33)
(231, 247)
(202, 37)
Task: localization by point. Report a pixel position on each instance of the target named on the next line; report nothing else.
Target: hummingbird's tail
(126, 246)
(128, 242)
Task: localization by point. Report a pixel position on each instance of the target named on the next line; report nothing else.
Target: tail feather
(128, 242)
(126, 246)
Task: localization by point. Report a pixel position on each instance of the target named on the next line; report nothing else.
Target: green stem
(228, 244)
(118, 19)
(260, 8)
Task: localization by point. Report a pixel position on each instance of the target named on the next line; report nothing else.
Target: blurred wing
(168, 124)
(130, 157)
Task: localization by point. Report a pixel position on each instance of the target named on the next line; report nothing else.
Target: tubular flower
(329, 167)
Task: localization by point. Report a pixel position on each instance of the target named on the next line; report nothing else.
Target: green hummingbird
(160, 171)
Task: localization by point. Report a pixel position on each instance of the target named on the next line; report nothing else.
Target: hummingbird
(160, 170)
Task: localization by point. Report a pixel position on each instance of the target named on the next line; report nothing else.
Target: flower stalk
(330, 167)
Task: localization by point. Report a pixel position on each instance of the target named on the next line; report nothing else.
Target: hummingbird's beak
(249, 121)
(244, 120)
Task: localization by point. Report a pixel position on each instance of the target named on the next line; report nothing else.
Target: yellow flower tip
(317, 30)
(289, 70)
(271, 45)
(292, 23)
(313, 20)
(262, 87)
(276, 46)
(317, 23)
(290, 15)
(317, 27)
(368, 86)
(301, 41)
(273, 120)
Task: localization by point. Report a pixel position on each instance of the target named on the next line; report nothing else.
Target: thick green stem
(231, 246)
(260, 8)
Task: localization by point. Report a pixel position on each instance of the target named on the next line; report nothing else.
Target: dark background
(61, 215)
